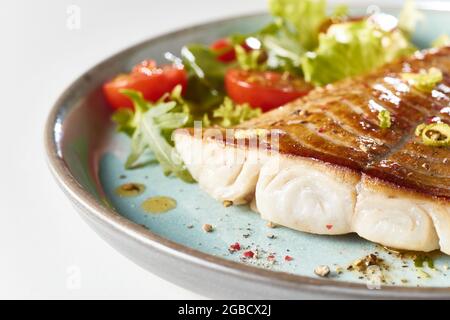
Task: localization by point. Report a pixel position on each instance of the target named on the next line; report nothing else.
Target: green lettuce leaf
(353, 48)
(230, 114)
(304, 16)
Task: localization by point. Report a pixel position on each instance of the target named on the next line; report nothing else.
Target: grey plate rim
(117, 223)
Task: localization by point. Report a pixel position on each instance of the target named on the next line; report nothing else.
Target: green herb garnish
(385, 119)
(435, 134)
(420, 260)
(424, 80)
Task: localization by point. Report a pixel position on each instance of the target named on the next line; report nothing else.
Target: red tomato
(264, 89)
(225, 50)
(147, 78)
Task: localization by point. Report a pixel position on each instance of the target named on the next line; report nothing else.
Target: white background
(41, 236)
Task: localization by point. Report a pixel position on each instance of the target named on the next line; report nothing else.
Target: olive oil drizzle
(159, 204)
(130, 189)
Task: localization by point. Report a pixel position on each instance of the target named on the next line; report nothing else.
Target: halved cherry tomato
(147, 78)
(264, 89)
(225, 50)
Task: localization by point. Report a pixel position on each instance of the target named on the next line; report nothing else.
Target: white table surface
(43, 242)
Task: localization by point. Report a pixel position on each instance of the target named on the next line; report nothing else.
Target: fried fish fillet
(333, 170)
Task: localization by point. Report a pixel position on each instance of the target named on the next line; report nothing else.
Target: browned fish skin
(338, 124)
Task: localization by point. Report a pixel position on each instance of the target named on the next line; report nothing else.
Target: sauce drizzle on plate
(159, 204)
(130, 190)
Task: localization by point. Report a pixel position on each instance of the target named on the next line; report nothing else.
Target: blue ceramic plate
(87, 158)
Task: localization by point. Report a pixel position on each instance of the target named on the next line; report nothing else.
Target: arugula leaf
(138, 147)
(148, 133)
(148, 124)
(124, 120)
(304, 16)
(353, 48)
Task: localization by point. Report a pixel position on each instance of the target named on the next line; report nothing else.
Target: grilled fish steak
(334, 170)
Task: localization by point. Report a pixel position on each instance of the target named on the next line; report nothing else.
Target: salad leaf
(149, 122)
(283, 49)
(252, 60)
(353, 48)
(124, 120)
(205, 77)
(230, 114)
(304, 16)
(148, 135)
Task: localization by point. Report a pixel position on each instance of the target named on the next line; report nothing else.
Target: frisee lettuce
(230, 114)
